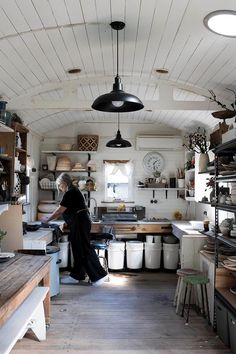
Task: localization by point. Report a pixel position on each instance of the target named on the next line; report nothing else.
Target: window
(118, 180)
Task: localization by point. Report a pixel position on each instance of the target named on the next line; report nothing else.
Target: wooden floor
(133, 313)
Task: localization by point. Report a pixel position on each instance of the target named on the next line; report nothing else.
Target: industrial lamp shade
(117, 100)
(118, 142)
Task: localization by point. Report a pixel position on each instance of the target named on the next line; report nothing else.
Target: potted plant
(210, 184)
(2, 235)
(197, 142)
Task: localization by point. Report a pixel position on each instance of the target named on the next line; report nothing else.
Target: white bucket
(149, 238)
(171, 255)
(63, 254)
(116, 252)
(134, 251)
(152, 255)
(157, 239)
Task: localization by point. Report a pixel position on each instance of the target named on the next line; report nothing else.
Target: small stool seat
(191, 281)
(182, 272)
(99, 241)
(99, 245)
(196, 279)
(187, 271)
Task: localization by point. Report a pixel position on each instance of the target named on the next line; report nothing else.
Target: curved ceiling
(40, 40)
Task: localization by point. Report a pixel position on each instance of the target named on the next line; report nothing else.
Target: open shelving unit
(224, 278)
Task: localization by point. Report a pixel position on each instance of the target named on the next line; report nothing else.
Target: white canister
(51, 161)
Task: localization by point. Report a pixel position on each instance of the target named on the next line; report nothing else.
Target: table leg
(47, 300)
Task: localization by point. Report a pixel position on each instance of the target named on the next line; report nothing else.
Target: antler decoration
(214, 99)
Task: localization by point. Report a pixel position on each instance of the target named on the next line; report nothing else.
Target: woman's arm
(58, 212)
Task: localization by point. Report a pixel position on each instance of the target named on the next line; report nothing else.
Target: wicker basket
(48, 185)
(87, 142)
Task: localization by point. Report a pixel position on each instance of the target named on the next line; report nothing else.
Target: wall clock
(153, 162)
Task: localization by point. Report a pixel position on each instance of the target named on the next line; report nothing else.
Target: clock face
(153, 162)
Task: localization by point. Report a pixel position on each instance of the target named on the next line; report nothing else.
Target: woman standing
(76, 215)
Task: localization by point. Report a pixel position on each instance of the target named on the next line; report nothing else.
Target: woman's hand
(45, 219)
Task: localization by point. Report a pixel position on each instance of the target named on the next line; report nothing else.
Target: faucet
(94, 214)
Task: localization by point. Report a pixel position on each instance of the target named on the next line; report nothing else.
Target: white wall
(33, 150)
(173, 160)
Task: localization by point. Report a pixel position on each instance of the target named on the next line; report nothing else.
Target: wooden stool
(191, 281)
(180, 285)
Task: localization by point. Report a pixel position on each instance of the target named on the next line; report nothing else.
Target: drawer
(125, 229)
(157, 228)
(222, 321)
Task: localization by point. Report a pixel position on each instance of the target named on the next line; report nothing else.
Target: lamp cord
(117, 54)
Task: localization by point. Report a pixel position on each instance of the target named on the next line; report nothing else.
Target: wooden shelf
(5, 128)
(67, 152)
(162, 189)
(230, 241)
(225, 207)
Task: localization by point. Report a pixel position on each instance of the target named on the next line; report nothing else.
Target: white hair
(64, 178)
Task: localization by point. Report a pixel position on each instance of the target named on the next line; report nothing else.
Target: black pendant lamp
(118, 142)
(117, 100)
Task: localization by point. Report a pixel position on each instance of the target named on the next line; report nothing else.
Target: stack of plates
(230, 264)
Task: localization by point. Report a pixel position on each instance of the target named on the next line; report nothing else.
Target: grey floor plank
(133, 313)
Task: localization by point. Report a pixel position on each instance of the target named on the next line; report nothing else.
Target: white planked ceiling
(41, 39)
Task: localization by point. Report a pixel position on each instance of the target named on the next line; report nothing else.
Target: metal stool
(180, 285)
(100, 243)
(195, 280)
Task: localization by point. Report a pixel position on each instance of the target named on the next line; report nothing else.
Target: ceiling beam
(70, 100)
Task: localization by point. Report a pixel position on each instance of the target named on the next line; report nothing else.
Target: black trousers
(85, 257)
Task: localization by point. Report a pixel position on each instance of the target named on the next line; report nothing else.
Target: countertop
(139, 222)
(181, 228)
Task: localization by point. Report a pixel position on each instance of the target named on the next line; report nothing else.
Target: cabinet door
(222, 321)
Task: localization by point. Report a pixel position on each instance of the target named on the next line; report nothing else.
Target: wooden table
(18, 277)
(134, 228)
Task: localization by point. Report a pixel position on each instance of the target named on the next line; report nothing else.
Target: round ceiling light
(162, 71)
(74, 71)
(222, 22)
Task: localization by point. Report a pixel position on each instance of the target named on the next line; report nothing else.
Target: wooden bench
(30, 314)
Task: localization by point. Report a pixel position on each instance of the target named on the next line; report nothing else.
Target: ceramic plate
(232, 258)
(209, 251)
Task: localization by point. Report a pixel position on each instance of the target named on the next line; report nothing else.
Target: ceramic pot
(203, 162)
(212, 195)
(51, 162)
(180, 182)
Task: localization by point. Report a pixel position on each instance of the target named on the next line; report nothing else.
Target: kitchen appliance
(140, 211)
(123, 216)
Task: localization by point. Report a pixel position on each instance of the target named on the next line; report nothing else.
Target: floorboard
(133, 313)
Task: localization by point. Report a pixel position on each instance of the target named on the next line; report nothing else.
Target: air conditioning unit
(159, 142)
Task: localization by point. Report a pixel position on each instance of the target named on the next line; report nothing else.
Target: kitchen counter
(37, 240)
(181, 228)
(137, 227)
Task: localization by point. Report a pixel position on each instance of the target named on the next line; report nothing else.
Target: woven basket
(87, 142)
(48, 185)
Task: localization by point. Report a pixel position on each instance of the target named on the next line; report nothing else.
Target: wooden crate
(88, 142)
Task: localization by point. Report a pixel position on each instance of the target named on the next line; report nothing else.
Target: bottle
(206, 222)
